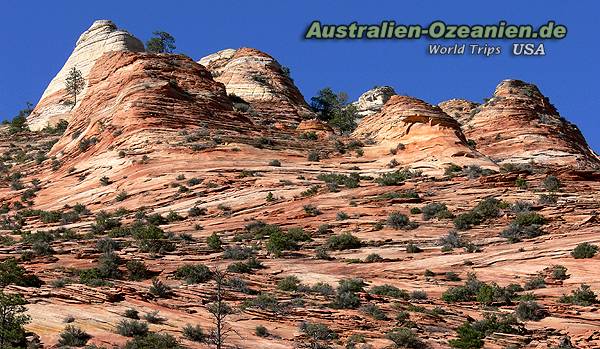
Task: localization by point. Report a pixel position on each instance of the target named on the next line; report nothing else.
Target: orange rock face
(314, 125)
(520, 125)
(259, 79)
(429, 138)
(135, 96)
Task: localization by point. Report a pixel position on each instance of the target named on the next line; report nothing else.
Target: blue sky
(39, 36)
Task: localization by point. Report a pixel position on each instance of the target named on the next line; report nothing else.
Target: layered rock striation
(520, 125)
(423, 134)
(460, 109)
(103, 36)
(262, 82)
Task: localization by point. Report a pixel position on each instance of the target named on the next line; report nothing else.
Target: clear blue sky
(39, 36)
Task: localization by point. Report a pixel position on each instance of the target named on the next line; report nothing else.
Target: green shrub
(405, 338)
(12, 273)
(238, 253)
(132, 314)
(317, 331)
(525, 225)
(132, 328)
(311, 210)
(397, 220)
(389, 291)
(535, 283)
(73, 336)
(194, 333)
(160, 289)
(351, 181)
(374, 311)
(551, 183)
(214, 242)
(373, 258)
(344, 241)
(137, 270)
(313, 156)
(436, 210)
(530, 310)
(412, 248)
(261, 331)
(289, 283)
(193, 273)
(581, 296)
(396, 178)
(559, 272)
(322, 289)
(486, 209)
(153, 341)
(584, 250)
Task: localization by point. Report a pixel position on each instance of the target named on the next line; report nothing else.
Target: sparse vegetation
(584, 250)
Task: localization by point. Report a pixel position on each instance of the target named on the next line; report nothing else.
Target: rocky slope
(160, 166)
(103, 36)
(518, 124)
(373, 100)
(259, 80)
(423, 135)
(460, 109)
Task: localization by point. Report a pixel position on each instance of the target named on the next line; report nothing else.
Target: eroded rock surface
(103, 36)
(261, 81)
(460, 109)
(428, 137)
(520, 125)
(373, 100)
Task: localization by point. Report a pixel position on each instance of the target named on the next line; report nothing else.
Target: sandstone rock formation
(520, 125)
(261, 81)
(103, 36)
(317, 126)
(135, 97)
(428, 137)
(373, 100)
(460, 109)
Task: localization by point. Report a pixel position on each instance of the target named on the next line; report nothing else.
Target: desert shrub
(137, 270)
(341, 216)
(544, 199)
(160, 289)
(73, 336)
(584, 250)
(525, 225)
(12, 273)
(581, 296)
(132, 314)
(314, 156)
(530, 310)
(107, 245)
(313, 190)
(214, 242)
(373, 258)
(193, 273)
(245, 267)
(521, 207)
(397, 220)
(521, 183)
(472, 335)
(351, 285)
(280, 241)
(396, 178)
(389, 291)
(452, 240)
(452, 276)
(265, 301)
(343, 241)
(418, 295)
(193, 333)
(351, 181)
(405, 194)
(238, 253)
(108, 266)
(152, 239)
(153, 317)
(486, 209)
(289, 283)
(559, 272)
(374, 311)
(535, 283)
(452, 169)
(412, 248)
(322, 289)
(551, 183)
(154, 341)
(311, 210)
(405, 338)
(475, 171)
(132, 328)
(436, 210)
(317, 331)
(105, 181)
